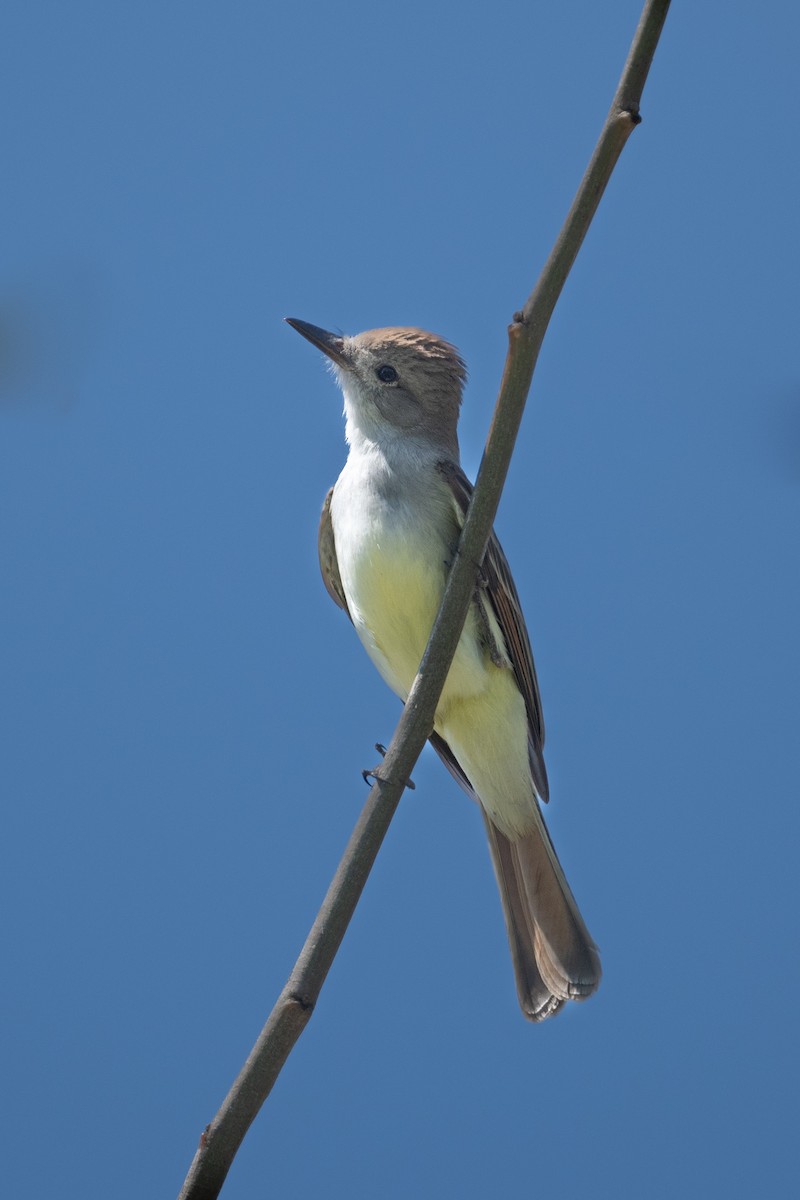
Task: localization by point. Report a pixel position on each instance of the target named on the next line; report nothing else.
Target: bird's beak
(329, 343)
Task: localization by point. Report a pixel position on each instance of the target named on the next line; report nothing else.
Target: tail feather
(553, 953)
(554, 957)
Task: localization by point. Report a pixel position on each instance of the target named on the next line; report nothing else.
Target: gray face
(397, 383)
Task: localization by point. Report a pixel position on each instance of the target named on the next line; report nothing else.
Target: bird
(387, 535)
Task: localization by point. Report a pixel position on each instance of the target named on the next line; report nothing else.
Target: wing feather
(328, 562)
(498, 584)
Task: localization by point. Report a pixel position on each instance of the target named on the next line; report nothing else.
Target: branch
(294, 1006)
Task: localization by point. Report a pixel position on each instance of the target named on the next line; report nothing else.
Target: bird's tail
(554, 956)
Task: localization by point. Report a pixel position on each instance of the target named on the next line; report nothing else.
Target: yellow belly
(393, 597)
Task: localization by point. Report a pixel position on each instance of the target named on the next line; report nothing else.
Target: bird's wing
(497, 584)
(328, 562)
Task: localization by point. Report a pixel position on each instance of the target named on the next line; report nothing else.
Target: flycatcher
(388, 533)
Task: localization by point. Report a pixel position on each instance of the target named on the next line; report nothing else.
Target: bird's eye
(386, 374)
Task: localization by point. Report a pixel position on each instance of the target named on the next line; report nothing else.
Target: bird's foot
(377, 774)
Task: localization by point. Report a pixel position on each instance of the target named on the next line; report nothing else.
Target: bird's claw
(376, 774)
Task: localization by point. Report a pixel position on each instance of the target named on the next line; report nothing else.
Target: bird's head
(398, 384)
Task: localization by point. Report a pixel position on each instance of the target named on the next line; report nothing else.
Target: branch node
(301, 1001)
(633, 115)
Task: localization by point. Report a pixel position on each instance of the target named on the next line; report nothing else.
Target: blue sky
(185, 714)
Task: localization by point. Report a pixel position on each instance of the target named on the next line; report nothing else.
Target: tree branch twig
(293, 1009)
